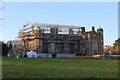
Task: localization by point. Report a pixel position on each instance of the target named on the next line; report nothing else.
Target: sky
(87, 14)
(60, 0)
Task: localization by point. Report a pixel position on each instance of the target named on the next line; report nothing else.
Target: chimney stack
(71, 31)
(93, 28)
(54, 31)
(83, 29)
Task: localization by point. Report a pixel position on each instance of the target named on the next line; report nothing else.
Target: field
(59, 68)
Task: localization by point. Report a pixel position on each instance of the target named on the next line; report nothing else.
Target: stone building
(56, 38)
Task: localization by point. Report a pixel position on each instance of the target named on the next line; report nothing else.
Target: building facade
(59, 39)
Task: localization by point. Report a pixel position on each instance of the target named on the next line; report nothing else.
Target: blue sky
(84, 14)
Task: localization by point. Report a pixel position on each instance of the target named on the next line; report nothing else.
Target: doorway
(54, 55)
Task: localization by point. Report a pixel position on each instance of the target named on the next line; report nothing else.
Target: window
(94, 35)
(88, 35)
(95, 46)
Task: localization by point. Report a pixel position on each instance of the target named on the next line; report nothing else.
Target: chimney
(83, 29)
(54, 31)
(93, 28)
(71, 31)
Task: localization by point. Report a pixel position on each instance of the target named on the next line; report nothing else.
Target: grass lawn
(59, 68)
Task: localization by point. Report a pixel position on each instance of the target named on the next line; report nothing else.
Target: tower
(100, 40)
(38, 40)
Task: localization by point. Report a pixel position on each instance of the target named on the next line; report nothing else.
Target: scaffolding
(28, 34)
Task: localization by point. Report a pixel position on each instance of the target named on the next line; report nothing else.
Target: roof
(100, 29)
(38, 28)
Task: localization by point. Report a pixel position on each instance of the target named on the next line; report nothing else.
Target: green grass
(59, 68)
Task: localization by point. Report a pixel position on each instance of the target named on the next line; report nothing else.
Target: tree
(116, 47)
(106, 51)
(4, 48)
(117, 42)
(10, 46)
